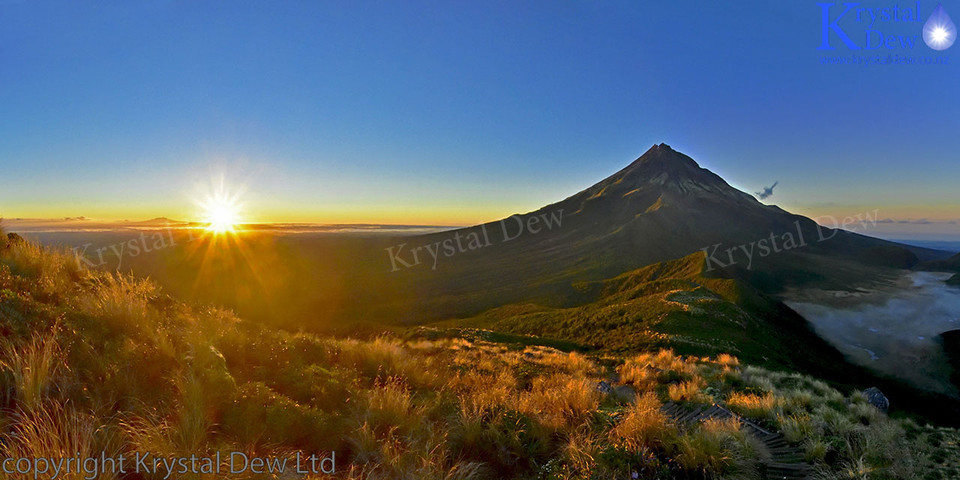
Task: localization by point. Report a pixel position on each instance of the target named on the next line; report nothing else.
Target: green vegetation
(673, 305)
(95, 362)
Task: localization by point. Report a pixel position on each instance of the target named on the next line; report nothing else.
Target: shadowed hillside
(951, 264)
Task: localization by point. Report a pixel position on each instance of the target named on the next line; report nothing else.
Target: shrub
(325, 388)
(260, 416)
(208, 369)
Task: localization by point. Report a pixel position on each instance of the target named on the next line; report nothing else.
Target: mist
(892, 328)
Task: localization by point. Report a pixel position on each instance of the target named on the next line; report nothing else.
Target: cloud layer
(892, 329)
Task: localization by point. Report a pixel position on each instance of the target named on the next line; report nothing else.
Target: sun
(221, 214)
(221, 211)
(939, 34)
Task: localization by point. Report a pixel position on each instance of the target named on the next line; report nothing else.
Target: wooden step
(788, 460)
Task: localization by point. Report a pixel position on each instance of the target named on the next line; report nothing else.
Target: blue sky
(458, 112)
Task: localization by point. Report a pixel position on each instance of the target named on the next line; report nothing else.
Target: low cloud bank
(891, 329)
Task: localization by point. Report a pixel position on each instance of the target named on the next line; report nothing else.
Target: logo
(884, 28)
(939, 32)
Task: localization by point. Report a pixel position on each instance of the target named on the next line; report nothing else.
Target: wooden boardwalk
(787, 460)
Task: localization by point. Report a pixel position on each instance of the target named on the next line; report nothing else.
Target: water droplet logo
(939, 32)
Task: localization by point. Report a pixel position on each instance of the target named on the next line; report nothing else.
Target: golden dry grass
(92, 363)
(757, 407)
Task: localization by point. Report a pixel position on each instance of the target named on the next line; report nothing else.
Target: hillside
(951, 264)
(673, 305)
(96, 363)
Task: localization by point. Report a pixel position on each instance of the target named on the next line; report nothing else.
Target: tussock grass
(31, 369)
(121, 304)
(750, 405)
(690, 391)
(56, 431)
(388, 407)
(560, 401)
(707, 450)
(727, 360)
(644, 426)
(97, 361)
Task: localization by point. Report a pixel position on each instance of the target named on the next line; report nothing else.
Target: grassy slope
(674, 305)
(94, 362)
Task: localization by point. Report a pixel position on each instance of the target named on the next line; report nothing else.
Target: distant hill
(951, 264)
(159, 220)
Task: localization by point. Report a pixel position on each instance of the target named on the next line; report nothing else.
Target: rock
(604, 387)
(624, 394)
(876, 398)
(950, 341)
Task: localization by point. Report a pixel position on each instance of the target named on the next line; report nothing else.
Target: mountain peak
(662, 148)
(664, 167)
(664, 155)
(661, 178)
(658, 165)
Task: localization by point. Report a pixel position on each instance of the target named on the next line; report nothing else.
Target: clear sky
(459, 112)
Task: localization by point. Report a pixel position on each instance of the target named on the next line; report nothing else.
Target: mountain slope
(662, 206)
(673, 305)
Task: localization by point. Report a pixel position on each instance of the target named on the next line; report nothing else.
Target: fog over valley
(892, 328)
